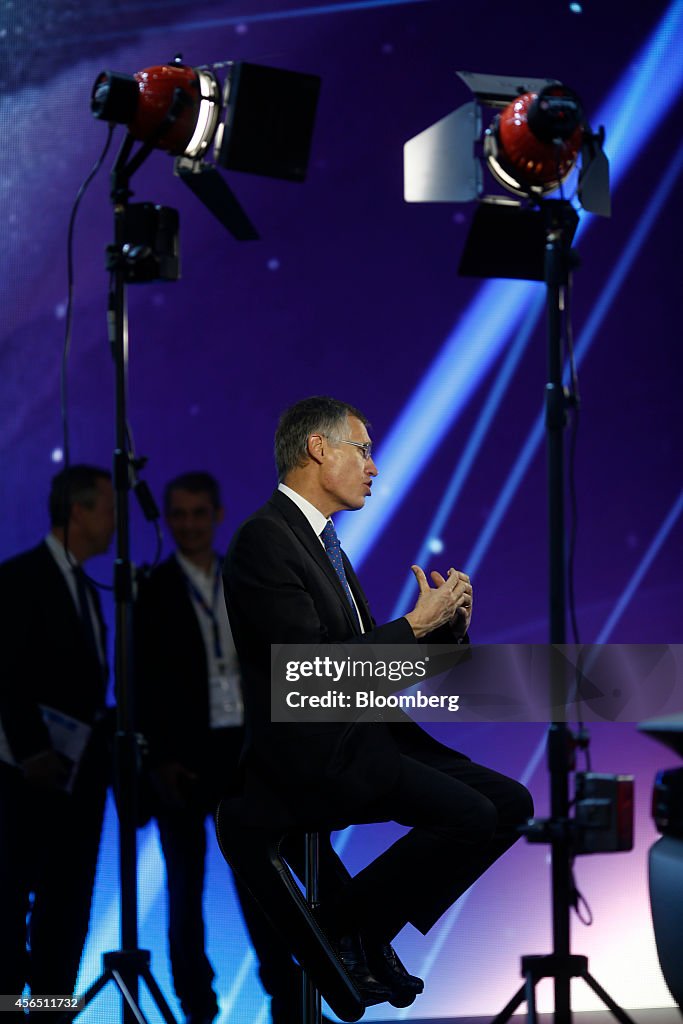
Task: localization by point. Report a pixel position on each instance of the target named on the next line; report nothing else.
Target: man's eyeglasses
(366, 446)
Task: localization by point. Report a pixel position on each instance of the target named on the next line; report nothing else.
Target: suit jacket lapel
(58, 591)
(302, 529)
(70, 612)
(358, 593)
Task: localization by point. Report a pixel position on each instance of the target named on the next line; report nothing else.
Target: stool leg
(312, 1008)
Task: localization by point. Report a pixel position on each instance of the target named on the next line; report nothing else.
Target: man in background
(54, 743)
(191, 713)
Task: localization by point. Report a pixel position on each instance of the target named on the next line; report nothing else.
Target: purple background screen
(355, 293)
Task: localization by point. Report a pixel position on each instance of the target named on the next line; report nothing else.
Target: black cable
(66, 451)
(580, 904)
(159, 545)
(63, 396)
(70, 294)
(144, 497)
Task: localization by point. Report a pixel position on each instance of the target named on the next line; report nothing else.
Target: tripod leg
(158, 996)
(86, 998)
(125, 992)
(94, 989)
(508, 1010)
(530, 999)
(617, 1011)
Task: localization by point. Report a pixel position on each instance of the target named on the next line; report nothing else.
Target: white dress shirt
(318, 522)
(226, 707)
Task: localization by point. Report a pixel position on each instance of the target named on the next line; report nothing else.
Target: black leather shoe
(384, 962)
(350, 951)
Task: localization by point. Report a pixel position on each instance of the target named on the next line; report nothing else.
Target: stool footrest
(550, 966)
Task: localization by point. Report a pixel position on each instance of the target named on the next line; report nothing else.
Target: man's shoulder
(162, 577)
(272, 526)
(168, 568)
(274, 514)
(34, 559)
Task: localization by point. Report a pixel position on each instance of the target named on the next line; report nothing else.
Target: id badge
(224, 690)
(225, 694)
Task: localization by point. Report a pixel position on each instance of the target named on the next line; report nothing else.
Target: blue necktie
(333, 548)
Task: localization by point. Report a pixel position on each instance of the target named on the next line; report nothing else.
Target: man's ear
(219, 515)
(76, 514)
(316, 447)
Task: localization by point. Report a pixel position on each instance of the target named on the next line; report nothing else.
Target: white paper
(69, 738)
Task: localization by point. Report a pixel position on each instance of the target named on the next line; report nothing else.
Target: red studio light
(170, 106)
(534, 142)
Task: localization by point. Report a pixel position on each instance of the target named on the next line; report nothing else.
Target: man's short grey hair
(315, 415)
(75, 485)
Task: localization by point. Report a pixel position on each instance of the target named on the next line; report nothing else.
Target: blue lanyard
(209, 611)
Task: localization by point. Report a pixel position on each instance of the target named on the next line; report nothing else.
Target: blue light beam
(643, 566)
(471, 450)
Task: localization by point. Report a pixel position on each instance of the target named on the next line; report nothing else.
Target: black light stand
(559, 224)
(531, 145)
(267, 130)
(126, 966)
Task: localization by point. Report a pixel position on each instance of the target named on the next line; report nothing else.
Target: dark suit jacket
(45, 652)
(280, 587)
(171, 672)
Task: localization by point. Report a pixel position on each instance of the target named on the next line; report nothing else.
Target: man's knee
(487, 822)
(482, 822)
(518, 805)
(476, 823)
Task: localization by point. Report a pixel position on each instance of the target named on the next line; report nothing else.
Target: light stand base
(120, 967)
(534, 968)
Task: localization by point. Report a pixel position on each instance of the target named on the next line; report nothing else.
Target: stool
(253, 852)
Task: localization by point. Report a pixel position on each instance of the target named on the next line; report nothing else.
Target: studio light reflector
(207, 115)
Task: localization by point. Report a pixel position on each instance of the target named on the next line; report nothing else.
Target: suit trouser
(183, 841)
(463, 817)
(49, 847)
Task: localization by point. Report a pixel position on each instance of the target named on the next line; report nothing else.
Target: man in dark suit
(54, 747)
(287, 581)
(192, 716)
